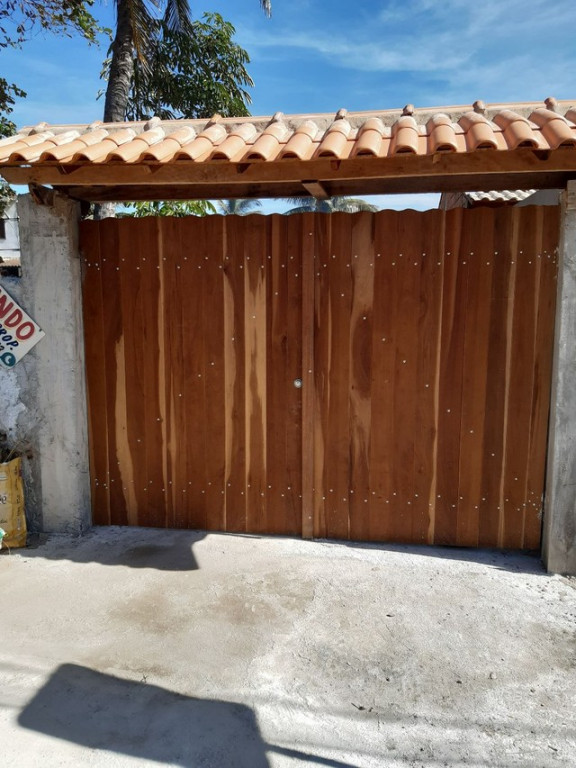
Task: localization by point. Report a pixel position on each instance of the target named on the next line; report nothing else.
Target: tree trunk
(121, 67)
(118, 88)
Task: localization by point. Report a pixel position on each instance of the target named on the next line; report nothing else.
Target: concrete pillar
(52, 412)
(559, 535)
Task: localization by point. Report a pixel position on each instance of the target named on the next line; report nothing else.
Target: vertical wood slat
(308, 267)
(196, 330)
(93, 307)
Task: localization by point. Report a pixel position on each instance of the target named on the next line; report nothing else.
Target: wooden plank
(235, 372)
(546, 308)
(142, 242)
(278, 392)
(255, 323)
(95, 369)
(431, 252)
(176, 425)
(521, 378)
(471, 170)
(308, 266)
(497, 377)
(383, 504)
(478, 243)
(114, 370)
(210, 247)
(450, 381)
(322, 335)
(406, 302)
(291, 253)
(337, 430)
(361, 264)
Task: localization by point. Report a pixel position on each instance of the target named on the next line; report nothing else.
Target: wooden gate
(423, 342)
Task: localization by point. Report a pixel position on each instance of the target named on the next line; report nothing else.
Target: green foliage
(20, 18)
(7, 195)
(190, 74)
(238, 206)
(332, 205)
(170, 208)
(8, 92)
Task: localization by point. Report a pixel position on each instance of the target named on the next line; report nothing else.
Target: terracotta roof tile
(312, 145)
(67, 150)
(479, 132)
(404, 136)
(555, 128)
(235, 144)
(300, 137)
(165, 150)
(300, 145)
(202, 144)
(335, 140)
(369, 140)
(268, 144)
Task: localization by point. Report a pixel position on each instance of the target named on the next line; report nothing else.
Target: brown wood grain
(93, 308)
(362, 268)
(235, 356)
(547, 256)
(429, 257)
(423, 341)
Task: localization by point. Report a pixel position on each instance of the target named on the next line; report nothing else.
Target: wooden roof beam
(316, 189)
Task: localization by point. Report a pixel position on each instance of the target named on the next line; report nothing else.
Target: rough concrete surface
(133, 647)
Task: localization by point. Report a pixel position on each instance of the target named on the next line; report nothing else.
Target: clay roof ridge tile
(166, 149)
(213, 134)
(335, 139)
(369, 138)
(131, 151)
(441, 134)
(555, 128)
(300, 145)
(234, 145)
(266, 146)
(65, 152)
(478, 130)
(405, 132)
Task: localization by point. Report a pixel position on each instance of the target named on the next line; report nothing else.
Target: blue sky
(322, 55)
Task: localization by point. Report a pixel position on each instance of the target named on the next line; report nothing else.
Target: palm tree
(239, 206)
(332, 205)
(136, 28)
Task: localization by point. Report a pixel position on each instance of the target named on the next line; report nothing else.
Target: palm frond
(178, 16)
(144, 25)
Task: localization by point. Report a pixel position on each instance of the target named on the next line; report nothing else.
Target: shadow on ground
(172, 550)
(160, 549)
(514, 561)
(103, 712)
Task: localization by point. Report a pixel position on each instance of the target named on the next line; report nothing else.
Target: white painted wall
(43, 398)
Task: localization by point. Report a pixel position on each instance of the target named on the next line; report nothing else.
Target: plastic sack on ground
(12, 516)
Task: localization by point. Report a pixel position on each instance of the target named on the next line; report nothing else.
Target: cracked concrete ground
(133, 647)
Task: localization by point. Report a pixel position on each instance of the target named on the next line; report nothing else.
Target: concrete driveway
(134, 647)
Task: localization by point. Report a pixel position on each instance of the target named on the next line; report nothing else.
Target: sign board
(18, 332)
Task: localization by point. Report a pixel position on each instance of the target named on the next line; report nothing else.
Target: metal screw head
(298, 383)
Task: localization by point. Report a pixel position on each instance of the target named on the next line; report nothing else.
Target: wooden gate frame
(525, 165)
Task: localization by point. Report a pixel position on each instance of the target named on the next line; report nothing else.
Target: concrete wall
(559, 543)
(43, 398)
